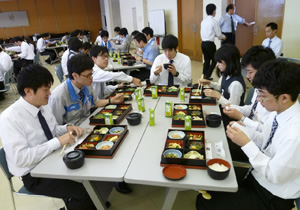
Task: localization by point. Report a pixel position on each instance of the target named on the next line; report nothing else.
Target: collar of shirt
(29, 107)
(151, 40)
(73, 91)
(287, 114)
(274, 38)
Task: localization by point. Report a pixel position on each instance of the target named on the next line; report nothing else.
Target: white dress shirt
(235, 90)
(277, 168)
(210, 29)
(182, 64)
(40, 45)
(23, 138)
(64, 62)
(225, 22)
(26, 51)
(98, 40)
(5, 64)
(276, 45)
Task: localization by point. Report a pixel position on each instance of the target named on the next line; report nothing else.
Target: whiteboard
(13, 19)
(157, 22)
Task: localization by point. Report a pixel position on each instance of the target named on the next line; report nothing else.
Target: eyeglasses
(104, 56)
(89, 76)
(261, 98)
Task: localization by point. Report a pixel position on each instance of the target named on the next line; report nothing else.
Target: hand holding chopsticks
(200, 85)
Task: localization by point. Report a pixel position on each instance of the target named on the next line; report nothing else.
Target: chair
(6, 87)
(297, 203)
(8, 175)
(249, 96)
(37, 59)
(59, 73)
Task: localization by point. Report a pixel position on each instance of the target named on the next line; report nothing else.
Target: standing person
(179, 71)
(273, 180)
(5, 65)
(29, 133)
(228, 24)
(273, 41)
(209, 30)
(149, 54)
(41, 47)
(26, 55)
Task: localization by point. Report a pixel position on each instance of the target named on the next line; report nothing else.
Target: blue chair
(8, 175)
(59, 73)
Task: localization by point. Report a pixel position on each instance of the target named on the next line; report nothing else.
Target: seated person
(86, 48)
(74, 48)
(100, 56)
(231, 86)
(5, 65)
(65, 38)
(72, 100)
(104, 37)
(83, 37)
(179, 71)
(133, 47)
(273, 41)
(150, 39)
(125, 41)
(117, 37)
(98, 39)
(29, 133)
(41, 46)
(273, 180)
(75, 33)
(149, 54)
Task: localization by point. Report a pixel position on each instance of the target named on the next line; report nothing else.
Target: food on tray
(116, 130)
(115, 117)
(194, 107)
(171, 155)
(97, 138)
(124, 107)
(197, 118)
(112, 138)
(102, 130)
(174, 145)
(172, 89)
(193, 155)
(180, 113)
(196, 94)
(105, 147)
(86, 146)
(118, 112)
(179, 117)
(218, 167)
(194, 136)
(196, 113)
(176, 134)
(196, 145)
(99, 116)
(111, 107)
(181, 106)
(130, 89)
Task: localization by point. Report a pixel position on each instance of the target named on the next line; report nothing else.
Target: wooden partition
(54, 16)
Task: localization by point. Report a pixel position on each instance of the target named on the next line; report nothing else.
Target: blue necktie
(253, 109)
(171, 77)
(81, 95)
(45, 126)
(269, 45)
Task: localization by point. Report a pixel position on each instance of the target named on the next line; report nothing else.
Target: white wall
(291, 29)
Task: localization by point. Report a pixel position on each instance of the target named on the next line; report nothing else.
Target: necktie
(232, 26)
(253, 109)
(269, 45)
(45, 126)
(81, 95)
(273, 130)
(171, 77)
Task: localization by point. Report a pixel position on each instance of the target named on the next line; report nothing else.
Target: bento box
(180, 111)
(118, 111)
(199, 97)
(163, 90)
(186, 148)
(103, 141)
(128, 91)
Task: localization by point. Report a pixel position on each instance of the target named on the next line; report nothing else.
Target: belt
(208, 41)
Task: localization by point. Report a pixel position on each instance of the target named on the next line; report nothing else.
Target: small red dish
(174, 172)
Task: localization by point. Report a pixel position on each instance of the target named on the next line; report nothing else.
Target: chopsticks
(64, 147)
(200, 86)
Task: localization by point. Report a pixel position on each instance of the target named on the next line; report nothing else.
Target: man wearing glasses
(73, 99)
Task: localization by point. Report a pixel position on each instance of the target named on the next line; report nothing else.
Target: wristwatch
(242, 119)
(69, 124)
(177, 74)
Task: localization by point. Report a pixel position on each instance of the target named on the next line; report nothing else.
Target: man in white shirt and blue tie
(273, 41)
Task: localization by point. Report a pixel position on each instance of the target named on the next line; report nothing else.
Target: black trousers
(142, 74)
(208, 50)
(230, 38)
(19, 64)
(51, 53)
(73, 193)
(250, 196)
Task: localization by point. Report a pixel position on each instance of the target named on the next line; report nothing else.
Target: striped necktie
(81, 95)
(251, 115)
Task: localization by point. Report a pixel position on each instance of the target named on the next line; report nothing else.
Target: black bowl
(74, 159)
(166, 65)
(130, 63)
(218, 175)
(213, 120)
(134, 118)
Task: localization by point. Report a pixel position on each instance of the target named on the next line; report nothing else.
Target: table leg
(96, 198)
(170, 196)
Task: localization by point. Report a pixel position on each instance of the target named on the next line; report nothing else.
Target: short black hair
(170, 42)
(18, 39)
(148, 31)
(134, 33)
(67, 33)
(123, 31)
(229, 7)
(86, 46)
(78, 64)
(45, 35)
(140, 37)
(74, 44)
(230, 54)
(117, 29)
(210, 8)
(279, 77)
(33, 76)
(272, 25)
(75, 33)
(104, 33)
(257, 55)
(98, 50)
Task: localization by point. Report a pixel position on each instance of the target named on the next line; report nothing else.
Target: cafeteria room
(149, 104)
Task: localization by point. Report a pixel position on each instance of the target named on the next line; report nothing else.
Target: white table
(149, 153)
(54, 48)
(98, 169)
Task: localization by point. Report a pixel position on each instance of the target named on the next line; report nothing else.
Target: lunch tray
(92, 152)
(128, 91)
(162, 90)
(201, 99)
(185, 144)
(121, 111)
(192, 109)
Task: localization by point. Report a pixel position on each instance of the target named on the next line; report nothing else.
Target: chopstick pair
(64, 147)
(200, 86)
